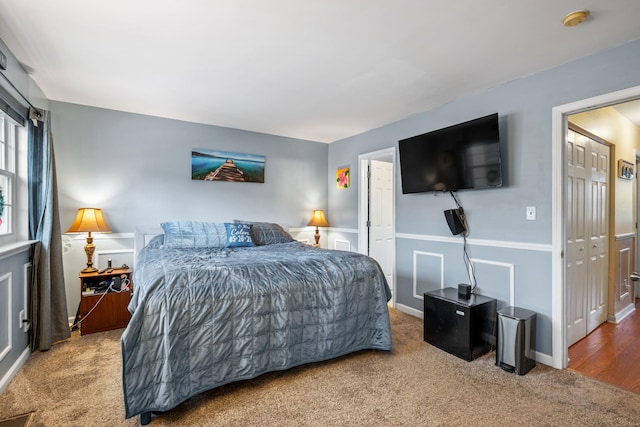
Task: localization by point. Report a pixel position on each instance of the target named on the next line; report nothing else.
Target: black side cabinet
(462, 327)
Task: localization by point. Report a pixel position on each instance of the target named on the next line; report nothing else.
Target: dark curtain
(48, 297)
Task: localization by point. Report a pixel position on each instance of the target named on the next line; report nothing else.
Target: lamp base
(317, 237)
(89, 248)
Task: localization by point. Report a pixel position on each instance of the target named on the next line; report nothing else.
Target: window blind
(12, 107)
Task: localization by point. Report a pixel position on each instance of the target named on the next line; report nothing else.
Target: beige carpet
(78, 383)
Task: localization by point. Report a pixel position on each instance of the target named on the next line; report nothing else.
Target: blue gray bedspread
(202, 318)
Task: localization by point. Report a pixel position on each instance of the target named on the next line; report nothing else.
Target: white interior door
(598, 268)
(381, 230)
(587, 234)
(576, 228)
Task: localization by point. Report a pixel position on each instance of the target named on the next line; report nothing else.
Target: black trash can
(516, 340)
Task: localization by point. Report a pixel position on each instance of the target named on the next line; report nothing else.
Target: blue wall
(512, 255)
(137, 168)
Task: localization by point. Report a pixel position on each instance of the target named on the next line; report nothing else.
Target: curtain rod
(36, 109)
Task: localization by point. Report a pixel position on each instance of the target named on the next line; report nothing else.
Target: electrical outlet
(22, 318)
(531, 213)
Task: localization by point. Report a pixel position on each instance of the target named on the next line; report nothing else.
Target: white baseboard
(545, 359)
(4, 382)
(409, 310)
(622, 314)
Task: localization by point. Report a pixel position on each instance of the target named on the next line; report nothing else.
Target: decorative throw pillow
(267, 233)
(238, 235)
(194, 234)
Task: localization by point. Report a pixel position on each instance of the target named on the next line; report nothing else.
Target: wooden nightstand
(110, 310)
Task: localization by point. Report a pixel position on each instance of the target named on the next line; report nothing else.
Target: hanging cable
(467, 261)
(124, 288)
(465, 250)
(455, 200)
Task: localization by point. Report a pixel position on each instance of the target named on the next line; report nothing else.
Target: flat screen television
(458, 157)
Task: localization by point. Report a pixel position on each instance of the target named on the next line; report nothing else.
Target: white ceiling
(320, 70)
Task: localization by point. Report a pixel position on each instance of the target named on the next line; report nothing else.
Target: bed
(216, 303)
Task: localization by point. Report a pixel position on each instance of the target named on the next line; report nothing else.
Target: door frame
(364, 161)
(559, 348)
(637, 217)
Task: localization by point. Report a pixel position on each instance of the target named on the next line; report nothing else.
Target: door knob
(634, 276)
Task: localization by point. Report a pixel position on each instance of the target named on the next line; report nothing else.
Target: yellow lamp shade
(89, 220)
(318, 219)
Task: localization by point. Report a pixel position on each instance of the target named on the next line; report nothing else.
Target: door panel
(577, 225)
(623, 291)
(599, 243)
(381, 217)
(587, 234)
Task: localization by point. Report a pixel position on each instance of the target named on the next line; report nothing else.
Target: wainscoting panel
(118, 257)
(6, 331)
(342, 245)
(428, 272)
(502, 289)
(622, 295)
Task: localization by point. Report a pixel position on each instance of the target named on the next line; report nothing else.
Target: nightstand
(102, 308)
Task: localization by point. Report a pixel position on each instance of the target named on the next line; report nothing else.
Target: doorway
(559, 185)
(376, 211)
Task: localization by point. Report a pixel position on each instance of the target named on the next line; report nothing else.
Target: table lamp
(318, 220)
(89, 220)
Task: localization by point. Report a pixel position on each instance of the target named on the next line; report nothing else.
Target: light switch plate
(531, 213)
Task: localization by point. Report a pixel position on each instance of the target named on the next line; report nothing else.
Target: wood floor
(611, 353)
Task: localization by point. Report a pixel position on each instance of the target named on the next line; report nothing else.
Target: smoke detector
(575, 18)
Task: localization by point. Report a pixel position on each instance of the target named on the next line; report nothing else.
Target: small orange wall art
(342, 178)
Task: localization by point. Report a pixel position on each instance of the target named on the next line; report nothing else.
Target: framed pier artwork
(215, 165)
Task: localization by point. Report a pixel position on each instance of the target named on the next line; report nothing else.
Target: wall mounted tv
(458, 157)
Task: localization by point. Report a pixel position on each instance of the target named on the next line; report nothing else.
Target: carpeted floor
(78, 383)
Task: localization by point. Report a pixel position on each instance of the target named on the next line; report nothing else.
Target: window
(7, 173)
